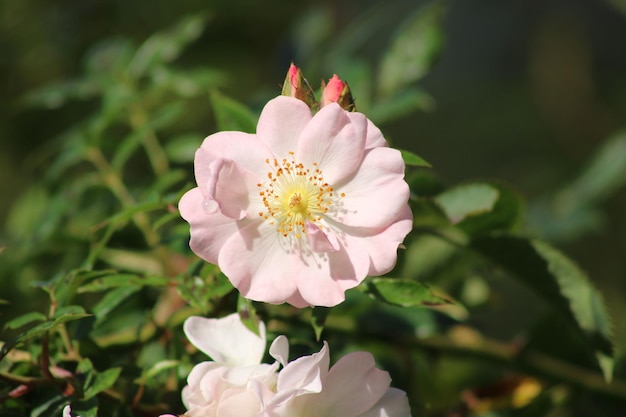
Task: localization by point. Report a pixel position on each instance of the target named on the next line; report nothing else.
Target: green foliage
(99, 276)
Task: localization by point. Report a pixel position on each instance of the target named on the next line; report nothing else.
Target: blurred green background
(522, 91)
(530, 93)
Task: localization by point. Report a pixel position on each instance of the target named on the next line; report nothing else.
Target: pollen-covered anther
(295, 195)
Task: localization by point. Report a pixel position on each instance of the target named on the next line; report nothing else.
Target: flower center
(294, 195)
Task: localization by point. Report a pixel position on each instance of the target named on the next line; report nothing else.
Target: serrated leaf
(102, 381)
(561, 283)
(413, 160)
(405, 293)
(467, 200)
(232, 115)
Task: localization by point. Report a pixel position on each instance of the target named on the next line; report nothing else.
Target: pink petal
(244, 148)
(226, 340)
(325, 285)
(377, 194)
(303, 375)
(208, 231)
(238, 403)
(393, 404)
(229, 187)
(383, 246)
(281, 122)
(334, 141)
(352, 386)
(374, 137)
(321, 242)
(258, 266)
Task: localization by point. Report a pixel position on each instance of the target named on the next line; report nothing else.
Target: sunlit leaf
(467, 200)
(412, 159)
(102, 381)
(405, 293)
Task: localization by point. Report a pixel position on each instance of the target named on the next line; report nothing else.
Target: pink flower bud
(337, 91)
(297, 86)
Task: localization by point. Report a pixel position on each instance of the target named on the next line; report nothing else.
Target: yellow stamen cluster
(294, 194)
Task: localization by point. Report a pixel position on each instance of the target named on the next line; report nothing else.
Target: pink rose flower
(302, 210)
(244, 387)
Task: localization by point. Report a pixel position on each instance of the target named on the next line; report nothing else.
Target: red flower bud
(297, 86)
(337, 91)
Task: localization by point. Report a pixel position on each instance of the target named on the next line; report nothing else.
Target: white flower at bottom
(304, 387)
(67, 411)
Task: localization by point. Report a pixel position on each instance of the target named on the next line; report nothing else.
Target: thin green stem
(158, 159)
(141, 220)
(509, 355)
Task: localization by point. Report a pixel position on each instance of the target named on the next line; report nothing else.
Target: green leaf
(102, 381)
(25, 319)
(413, 51)
(39, 330)
(401, 104)
(605, 173)
(122, 280)
(111, 300)
(467, 200)
(71, 310)
(182, 149)
(156, 369)
(574, 210)
(232, 115)
(166, 46)
(505, 215)
(405, 293)
(318, 319)
(413, 160)
(248, 315)
(561, 283)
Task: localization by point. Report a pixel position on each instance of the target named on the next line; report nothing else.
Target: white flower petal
(226, 340)
(279, 349)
